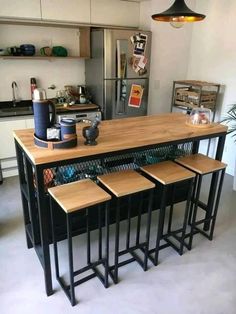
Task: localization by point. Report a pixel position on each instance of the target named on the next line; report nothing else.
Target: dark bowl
(27, 46)
(28, 52)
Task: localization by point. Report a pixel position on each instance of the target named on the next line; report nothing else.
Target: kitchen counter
(118, 135)
(126, 143)
(25, 108)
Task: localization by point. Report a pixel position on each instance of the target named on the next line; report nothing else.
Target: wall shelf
(40, 58)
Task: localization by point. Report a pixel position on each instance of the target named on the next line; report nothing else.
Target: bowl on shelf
(27, 50)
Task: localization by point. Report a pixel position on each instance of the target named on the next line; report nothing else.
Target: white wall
(213, 57)
(169, 56)
(59, 72)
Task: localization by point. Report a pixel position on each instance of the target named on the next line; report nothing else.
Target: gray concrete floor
(202, 281)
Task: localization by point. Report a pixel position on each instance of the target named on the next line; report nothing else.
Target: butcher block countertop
(118, 135)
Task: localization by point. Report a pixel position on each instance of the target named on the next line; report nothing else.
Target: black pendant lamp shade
(178, 12)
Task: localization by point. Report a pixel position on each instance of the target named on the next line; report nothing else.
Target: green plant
(230, 119)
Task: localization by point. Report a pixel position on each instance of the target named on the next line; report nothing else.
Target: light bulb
(177, 22)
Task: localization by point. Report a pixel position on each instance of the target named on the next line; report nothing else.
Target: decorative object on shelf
(33, 86)
(178, 14)
(46, 51)
(90, 133)
(59, 51)
(14, 51)
(4, 52)
(27, 50)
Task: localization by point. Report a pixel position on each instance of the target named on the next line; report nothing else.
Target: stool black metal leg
(139, 219)
(217, 204)
(117, 232)
(128, 223)
(88, 238)
(99, 232)
(186, 213)
(106, 283)
(211, 199)
(54, 239)
(199, 183)
(70, 253)
(149, 217)
(171, 209)
(193, 200)
(160, 224)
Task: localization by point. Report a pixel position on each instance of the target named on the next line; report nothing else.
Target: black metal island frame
(122, 144)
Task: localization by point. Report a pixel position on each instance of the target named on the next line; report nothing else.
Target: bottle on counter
(33, 86)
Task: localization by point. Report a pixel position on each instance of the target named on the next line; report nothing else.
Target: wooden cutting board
(77, 107)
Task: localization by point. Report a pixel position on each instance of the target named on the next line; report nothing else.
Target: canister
(68, 128)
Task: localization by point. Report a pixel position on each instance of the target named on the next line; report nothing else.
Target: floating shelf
(39, 58)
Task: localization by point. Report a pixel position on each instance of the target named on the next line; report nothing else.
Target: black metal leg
(106, 283)
(88, 238)
(160, 224)
(139, 219)
(149, 217)
(171, 209)
(99, 232)
(54, 238)
(199, 183)
(70, 255)
(219, 154)
(193, 200)
(117, 234)
(43, 223)
(217, 204)
(128, 223)
(186, 213)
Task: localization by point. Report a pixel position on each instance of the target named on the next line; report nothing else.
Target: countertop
(117, 135)
(25, 108)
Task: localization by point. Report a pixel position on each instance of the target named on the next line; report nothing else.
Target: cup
(15, 51)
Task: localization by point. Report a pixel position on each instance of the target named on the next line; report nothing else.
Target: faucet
(14, 100)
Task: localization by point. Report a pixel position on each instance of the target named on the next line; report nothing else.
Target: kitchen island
(122, 144)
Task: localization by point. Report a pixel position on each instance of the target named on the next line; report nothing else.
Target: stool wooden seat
(78, 195)
(203, 165)
(124, 184)
(168, 173)
(73, 198)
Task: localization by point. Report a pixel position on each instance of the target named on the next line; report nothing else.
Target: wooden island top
(120, 134)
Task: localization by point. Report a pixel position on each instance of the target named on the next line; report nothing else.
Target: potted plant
(230, 120)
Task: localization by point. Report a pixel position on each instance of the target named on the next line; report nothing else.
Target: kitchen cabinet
(77, 11)
(7, 151)
(28, 9)
(115, 12)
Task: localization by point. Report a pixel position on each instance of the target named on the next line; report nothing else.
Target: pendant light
(178, 14)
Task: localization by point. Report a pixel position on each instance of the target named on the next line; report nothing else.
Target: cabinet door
(115, 12)
(20, 9)
(7, 146)
(68, 11)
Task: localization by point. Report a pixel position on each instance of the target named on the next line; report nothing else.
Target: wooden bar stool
(128, 183)
(203, 165)
(72, 198)
(168, 174)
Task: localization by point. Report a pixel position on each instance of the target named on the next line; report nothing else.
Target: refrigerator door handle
(120, 98)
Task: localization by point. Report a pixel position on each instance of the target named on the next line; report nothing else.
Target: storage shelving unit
(189, 94)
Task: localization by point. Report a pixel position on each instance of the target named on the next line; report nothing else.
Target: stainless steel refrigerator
(117, 74)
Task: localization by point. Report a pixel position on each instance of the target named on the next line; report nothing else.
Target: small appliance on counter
(47, 133)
